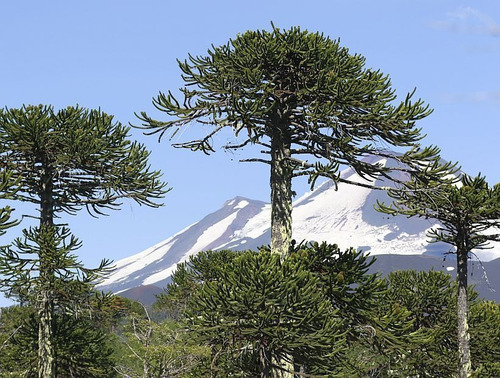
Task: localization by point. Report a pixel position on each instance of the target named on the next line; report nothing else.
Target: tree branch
(255, 160)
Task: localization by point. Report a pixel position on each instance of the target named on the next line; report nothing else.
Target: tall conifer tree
(311, 105)
(64, 161)
(469, 214)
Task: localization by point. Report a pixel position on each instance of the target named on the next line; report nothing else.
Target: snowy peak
(156, 264)
(342, 214)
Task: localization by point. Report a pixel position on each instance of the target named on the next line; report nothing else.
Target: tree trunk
(46, 361)
(281, 209)
(281, 194)
(464, 364)
(46, 352)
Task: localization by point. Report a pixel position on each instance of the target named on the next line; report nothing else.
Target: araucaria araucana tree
(469, 214)
(64, 161)
(256, 311)
(311, 105)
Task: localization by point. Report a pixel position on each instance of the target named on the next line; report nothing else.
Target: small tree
(484, 318)
(260, 311)
(356, 295)
(63, 161)
(310, 104)
(430, 299)
(189, 276)
(249, 305)
(157, 348)
(469, 213)
(430, 342)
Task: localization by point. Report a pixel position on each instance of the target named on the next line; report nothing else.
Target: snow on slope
(345, 216)
(156, 264)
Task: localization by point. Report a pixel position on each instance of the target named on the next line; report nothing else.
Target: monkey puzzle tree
(64, 161)
(469, 213)
(82, 345)
(255, 311)
(307, 101)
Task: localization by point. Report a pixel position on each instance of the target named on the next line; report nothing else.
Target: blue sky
(117, 55)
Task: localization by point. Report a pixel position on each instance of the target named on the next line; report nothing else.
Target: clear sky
(117, 55)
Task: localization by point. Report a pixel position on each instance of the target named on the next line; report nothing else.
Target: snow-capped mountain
(344, 215)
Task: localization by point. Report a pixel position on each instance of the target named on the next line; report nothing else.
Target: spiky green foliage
(5, 221)
(356, 295)
(84, 154)
(469, 211)
(264, 309)
(308, 103)
(469, 214)
(302, 84)
(44, 260)
(41, 269)
(217, 288)
(64, 161)
(6, 192)
(344, 277)
(82, 346)
(189, 276)
(12, 320)
(484, 319)
(429, 299)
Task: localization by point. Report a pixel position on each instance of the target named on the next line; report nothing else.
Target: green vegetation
(80, 345)
(62, 162)
(6, 192)
(309, 105)
(236, 314)
(402, 324)
(469, 213)
(302, 310)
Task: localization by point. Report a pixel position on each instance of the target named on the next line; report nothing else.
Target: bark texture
(46, 358)
(464, 364)
(46, 352)
(281, 194)
(281, 208)
(265, 362)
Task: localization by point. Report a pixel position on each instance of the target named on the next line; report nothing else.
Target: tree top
(303, 88)
(85, 154)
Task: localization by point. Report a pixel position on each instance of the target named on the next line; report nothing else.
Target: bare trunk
(281, 195)
(464, 365)
(46, 352)
(281, 210)
(46, 361)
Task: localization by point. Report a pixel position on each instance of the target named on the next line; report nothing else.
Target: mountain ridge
(342, 214)
(482, 275)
